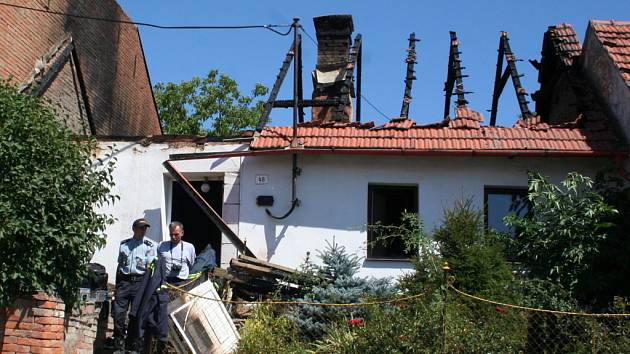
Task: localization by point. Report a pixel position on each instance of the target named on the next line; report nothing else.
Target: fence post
(445, 270)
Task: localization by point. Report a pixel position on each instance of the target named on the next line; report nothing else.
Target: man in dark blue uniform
(134, 256)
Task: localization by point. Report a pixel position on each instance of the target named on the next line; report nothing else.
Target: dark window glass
(500, 202)
(386, 205)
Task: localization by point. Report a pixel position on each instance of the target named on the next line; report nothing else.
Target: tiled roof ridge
(611, 22)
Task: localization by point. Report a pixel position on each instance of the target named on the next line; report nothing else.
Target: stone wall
(41, 324)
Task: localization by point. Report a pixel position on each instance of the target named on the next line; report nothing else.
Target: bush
(474, 254)
(563, 232)
(339, 284)
(48, 195)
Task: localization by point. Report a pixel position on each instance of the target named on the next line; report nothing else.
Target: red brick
(47, 335)
(41, 350)
(53, 328)
(9, 340)
(47, 305)
(43, 343)
(49, 320)
(15, 348)
(17, 332)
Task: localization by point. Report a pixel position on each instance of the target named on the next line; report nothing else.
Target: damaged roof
(615, 37)
(462, 134)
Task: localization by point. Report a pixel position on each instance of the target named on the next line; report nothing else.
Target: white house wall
(143, 185)
(333, 192)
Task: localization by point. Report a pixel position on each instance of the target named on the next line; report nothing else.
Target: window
(386, 203)
(500, 202)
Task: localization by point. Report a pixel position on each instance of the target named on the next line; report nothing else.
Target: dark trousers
(125, 292)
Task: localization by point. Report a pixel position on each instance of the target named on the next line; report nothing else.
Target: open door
(198, 228)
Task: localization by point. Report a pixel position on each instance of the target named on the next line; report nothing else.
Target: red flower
(355, 322)
(500, 309)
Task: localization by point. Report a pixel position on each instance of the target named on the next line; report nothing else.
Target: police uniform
(134, 257)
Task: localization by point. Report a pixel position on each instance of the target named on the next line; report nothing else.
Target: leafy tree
(212, 105)
(564, 230)
(48, 195)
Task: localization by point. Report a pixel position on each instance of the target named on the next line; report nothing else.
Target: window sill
(372, 259)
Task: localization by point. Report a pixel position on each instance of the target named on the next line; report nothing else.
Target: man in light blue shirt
(179, 255)
(134, 256)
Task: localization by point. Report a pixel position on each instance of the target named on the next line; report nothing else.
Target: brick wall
(110, 59)
(40, 324)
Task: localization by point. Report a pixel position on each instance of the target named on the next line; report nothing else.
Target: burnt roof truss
(455, 78)
(410, 77)
(347, 90)
(501, 78)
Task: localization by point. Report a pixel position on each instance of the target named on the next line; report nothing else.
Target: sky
(255, 55)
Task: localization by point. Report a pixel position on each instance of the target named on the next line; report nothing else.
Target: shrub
(474, 254)
(48, 198)
(564, 230)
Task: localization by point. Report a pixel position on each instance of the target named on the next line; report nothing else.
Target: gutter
(622, 154)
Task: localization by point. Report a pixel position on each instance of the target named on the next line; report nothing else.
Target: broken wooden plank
(260, 262)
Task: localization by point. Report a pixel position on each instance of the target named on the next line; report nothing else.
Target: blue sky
(255, 55)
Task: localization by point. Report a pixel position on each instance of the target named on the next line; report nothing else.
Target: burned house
(94, 72)
(286, 191)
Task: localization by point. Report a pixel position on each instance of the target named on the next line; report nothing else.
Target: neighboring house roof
(462, 134)
(565, 42)
(615, 37)
(107, 67)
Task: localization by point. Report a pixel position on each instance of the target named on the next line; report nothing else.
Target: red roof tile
(615, 37)
(565, 42)
(520, 138)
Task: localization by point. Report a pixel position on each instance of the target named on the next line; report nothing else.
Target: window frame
(415, 200)
(505, 190)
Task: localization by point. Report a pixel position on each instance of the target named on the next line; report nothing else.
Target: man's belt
(131, 277)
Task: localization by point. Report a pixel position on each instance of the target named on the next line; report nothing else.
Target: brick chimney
(329, 79)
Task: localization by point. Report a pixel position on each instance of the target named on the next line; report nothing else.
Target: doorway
(199, 229)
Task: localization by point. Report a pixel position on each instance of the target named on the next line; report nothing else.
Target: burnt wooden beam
(52, 72)
(306, 103)
(260, 262)
(264, 118)
(207, 209)
(347, 87)
(454, 78)
(358, 95)
(518, 87)
(410, 77)
(300, 88)
(500, 80)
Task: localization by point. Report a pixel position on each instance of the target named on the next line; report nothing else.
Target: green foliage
(564, 230)
(48, 198)
(212, 105)
(339, 285)
(268, 332)
(474, 254)
(410, 230)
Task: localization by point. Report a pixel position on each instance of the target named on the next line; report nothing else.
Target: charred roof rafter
(454, 78)
(411, 61)
(501, 79)
(348, 85)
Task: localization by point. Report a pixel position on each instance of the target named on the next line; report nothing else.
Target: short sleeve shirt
(134, 256)
(182, 254)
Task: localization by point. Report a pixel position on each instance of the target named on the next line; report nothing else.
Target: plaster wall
(333, 191)
(144, 185)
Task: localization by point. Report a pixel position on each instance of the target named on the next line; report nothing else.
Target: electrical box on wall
(264, 200)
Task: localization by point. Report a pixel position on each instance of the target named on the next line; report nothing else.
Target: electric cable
(151, 25)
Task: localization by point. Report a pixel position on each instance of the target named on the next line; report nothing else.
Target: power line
(373, 106)
(309, 36)
(146, 24)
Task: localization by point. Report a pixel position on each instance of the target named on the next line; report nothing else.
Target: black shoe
(119, 345)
